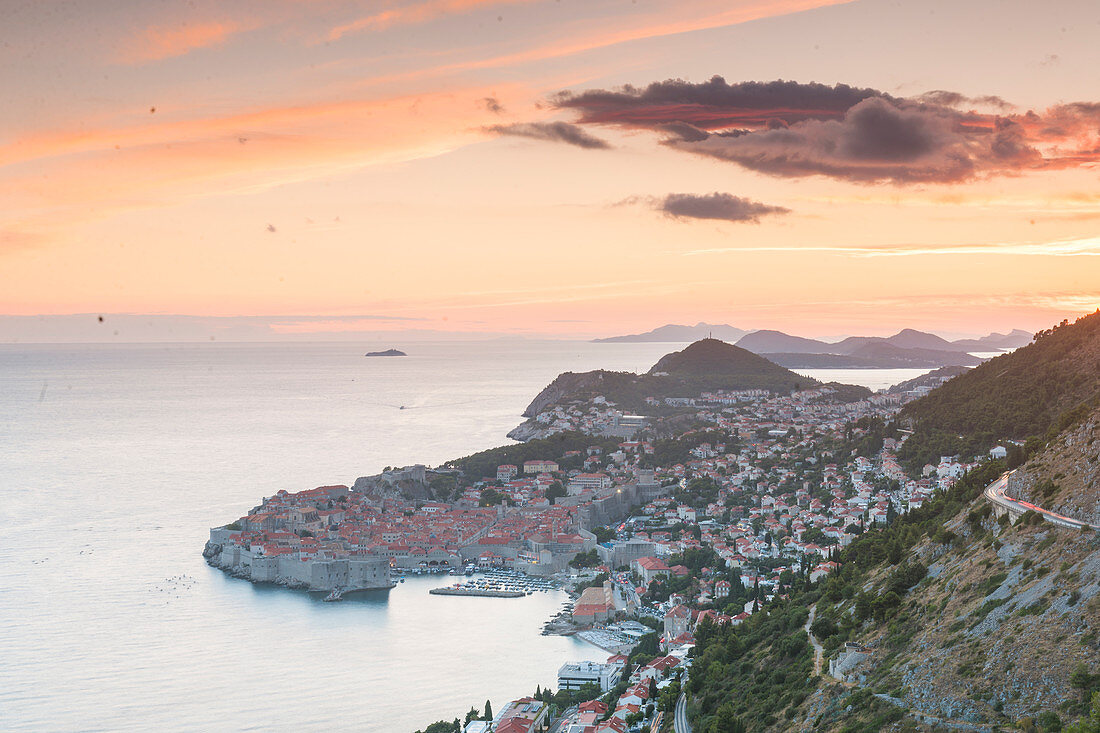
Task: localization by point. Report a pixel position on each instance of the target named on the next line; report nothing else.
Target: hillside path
(819, 653)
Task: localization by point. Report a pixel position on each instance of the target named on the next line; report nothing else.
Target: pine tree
(488, 711)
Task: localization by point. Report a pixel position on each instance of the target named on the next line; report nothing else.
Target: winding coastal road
(995, 493)
(680, 722)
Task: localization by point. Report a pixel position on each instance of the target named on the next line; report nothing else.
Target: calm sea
(115, 461)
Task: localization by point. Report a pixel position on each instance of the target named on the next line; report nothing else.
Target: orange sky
(413, 160)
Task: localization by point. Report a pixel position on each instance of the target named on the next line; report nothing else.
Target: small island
(387, 352)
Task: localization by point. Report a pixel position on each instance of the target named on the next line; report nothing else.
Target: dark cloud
(714, 104)
(493, 105)
(724, 206)
(874, 141)
(562, 132)
(791, 129)
(954, 99)
(684, 131)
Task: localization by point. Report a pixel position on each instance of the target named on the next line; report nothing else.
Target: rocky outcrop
(408, 482)
(527, 430)
(564, 386)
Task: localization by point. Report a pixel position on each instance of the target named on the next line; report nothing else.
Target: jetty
(469, 591)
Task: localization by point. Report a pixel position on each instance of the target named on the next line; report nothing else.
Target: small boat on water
(335, 595)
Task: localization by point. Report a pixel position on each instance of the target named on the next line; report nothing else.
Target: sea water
(116, 459)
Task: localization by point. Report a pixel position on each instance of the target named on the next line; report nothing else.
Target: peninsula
(745, 510)
(387, 352)
(534, 507)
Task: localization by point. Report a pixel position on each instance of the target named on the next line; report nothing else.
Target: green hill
(1032, 392)
(705, 365)
(726, 366)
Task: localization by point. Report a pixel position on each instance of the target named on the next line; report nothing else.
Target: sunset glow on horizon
(554, 168)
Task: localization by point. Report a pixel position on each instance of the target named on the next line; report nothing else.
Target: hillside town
(652, 536)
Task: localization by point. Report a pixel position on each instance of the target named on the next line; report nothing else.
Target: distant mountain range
(1012, 340)
(674, 333)
(907, 348)
(777, 342)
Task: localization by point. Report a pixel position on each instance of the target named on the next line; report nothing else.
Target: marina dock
(469, 591)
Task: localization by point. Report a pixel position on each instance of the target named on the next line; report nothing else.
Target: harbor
(497, 584)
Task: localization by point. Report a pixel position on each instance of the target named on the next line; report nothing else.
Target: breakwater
(477, 592)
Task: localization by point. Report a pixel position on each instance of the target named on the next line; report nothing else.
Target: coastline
(345, 575)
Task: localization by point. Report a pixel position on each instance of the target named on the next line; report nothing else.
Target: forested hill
(731, 367)
(705, 365)
(1030, 392)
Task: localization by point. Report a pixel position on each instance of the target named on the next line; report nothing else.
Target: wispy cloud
(19, 239)
(561, 132)
(1086, 247)
(413, 13)
(1065, 301)
(638, 29)
(162, 42)
(571, 288)
(346, 324)
(84, 173)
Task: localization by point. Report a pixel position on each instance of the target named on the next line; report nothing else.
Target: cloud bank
(791, 129)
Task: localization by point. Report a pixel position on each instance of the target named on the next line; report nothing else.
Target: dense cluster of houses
(761, 473)
(780, 496)
(333, 522)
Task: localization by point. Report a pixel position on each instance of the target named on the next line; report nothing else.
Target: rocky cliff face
(997, 628)
(992, 635)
